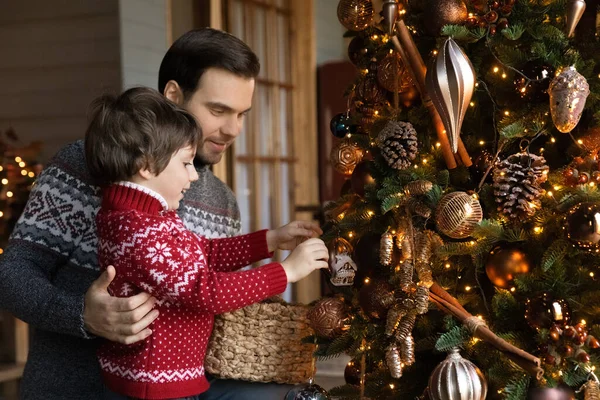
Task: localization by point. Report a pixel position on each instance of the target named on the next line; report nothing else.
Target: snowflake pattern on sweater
(193, 279)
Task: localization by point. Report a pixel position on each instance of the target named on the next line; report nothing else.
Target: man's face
(220, 104)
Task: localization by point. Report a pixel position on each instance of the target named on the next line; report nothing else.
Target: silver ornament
(450, 82)
(456, 378)
(575, 9)
(389, 10)
(568, 92)
(309, 391)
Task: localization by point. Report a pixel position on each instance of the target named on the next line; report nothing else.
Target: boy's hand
(123, 320)
(306, 258)
(288, 236)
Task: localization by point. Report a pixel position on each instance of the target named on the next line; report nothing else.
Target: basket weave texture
(261, 342)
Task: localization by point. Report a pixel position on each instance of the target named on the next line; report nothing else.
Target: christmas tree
(464, 248)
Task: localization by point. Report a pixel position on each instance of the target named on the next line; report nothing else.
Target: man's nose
(233, 127)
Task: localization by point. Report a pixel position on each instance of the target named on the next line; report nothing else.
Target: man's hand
(119, 319)
(289, 236)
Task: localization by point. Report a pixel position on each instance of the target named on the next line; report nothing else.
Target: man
(49, 272)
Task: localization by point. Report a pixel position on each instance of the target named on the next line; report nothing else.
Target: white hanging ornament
(456, 378)
(568, 92)
(342, 267)
(575, 9)
(450, 82)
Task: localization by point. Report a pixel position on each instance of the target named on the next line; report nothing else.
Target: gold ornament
(355, 15)
(406, 326)
(417, 188)
(407, 351)
(504, 264)
(327, 317)
(393, 75)
(592, 390)
(393, 361)
(458, 214)
(444, 12)
(457, 378)
(575, 9)
(406, 276)
(342, 267)
(385, 248)
(568, 92)
(344, 157)
(450, 82)
(393, 318)
(421, 299)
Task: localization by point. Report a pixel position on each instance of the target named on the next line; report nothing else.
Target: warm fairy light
(513, 289)
(472, 104)
(583, 322)
(480, 316)
(1, 214)
(391, 51)
(448, 265)
(23, 172)
(496, 69)
(435, 52)
(370, 213)
(9, 194)
(350, 234)
(4, 181)
(553, 140)
(556, 187)
(481, 142)
(375, 37)
(366, 71)
(503, 75)
(438, 144)
(18, 159)
(1, 168)
(1, 251)
(341, 216)
(472, 242)
(392, 386)
(468, 288)
(579, 141)
(416, 166)
(376, 112)
(538, 229)
(502, 173)
(22, 164)
(475, 340)
(475, 196)
(424, 161)
(507, 113)
(591, 274)
(476, 84)
(367, 280)
(592, 184)
(550, 194)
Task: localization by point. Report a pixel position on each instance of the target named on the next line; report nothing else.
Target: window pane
(283, 48)
(265, 127)
(266, 199)
(243, 194)
(284, 129)
(259, 42)
(284, 193)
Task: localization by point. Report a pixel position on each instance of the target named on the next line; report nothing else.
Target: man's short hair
(138, 129)
(198, 50)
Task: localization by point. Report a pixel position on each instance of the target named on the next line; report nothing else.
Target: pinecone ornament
(517, 181)
(398, 144)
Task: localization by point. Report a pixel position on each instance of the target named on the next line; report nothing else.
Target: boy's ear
(173, 92)
(145, 173)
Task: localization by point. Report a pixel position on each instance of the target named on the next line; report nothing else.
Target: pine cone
(517, 181)
(398, 144)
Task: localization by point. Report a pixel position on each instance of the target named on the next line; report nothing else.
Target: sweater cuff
(258, 245)
(276, 278)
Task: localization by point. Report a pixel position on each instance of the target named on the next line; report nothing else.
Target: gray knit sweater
(51, 261)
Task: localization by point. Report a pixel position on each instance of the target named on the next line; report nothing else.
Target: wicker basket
(261, 342)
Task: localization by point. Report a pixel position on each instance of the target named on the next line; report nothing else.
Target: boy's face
(220, 105)
(174, 180)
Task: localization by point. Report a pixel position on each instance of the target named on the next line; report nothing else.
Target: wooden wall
(55, 58)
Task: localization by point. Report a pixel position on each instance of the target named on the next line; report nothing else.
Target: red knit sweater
(189, 275)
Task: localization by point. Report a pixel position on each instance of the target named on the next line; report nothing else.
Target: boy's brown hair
(137, 129)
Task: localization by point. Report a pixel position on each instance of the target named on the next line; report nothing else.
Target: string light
(579, 141)
(550, 194)
(1, 214)
(538, 229)
(22, 164)
(18, 159)
(447, 265)
(367, 280)
(591, 274)
(481, 142)
(468, 288)
(350, 234)
(553, 140)
(438, 144)
(370, 213)
(503, 75)
(392, 386)
(424, 161)
(507, 113)
(9, 194)
(4, 181)
(513, 289)
(472, 104)
(496, 69)
(23, 172)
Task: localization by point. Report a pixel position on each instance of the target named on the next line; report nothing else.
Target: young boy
(141, 147)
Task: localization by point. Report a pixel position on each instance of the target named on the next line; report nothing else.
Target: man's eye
(217, 112)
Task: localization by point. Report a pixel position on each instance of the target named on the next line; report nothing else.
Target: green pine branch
(456, 337)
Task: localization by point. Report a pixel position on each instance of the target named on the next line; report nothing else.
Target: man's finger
(105, 279)
(143, 323)
(131, 303)
(132, 317)
(134, 338)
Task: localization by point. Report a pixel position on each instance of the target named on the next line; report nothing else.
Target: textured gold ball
(327, 316)
(344, 157)
(444, 12)
(457, 215)
(393, 75)
(504, 264)
(355, 15)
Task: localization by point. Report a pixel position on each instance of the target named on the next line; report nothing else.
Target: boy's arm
(172, 265)
(233, 253)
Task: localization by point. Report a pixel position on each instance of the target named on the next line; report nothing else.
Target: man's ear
(173, 92)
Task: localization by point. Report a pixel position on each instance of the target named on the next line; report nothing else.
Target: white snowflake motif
(158, 253)
(126, 290)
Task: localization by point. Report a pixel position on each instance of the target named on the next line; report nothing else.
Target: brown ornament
(355, 15)
(583, 226)
(327, 317)
(362, 176)
(376, 297)
(543, 311)
(418, 187)
(368, 90)
(344, 156)
(393, 75)
(352, 373)
(444, 12)
(504, 264)
(458, 214)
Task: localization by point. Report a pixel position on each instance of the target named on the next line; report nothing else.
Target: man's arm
(35, 284)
